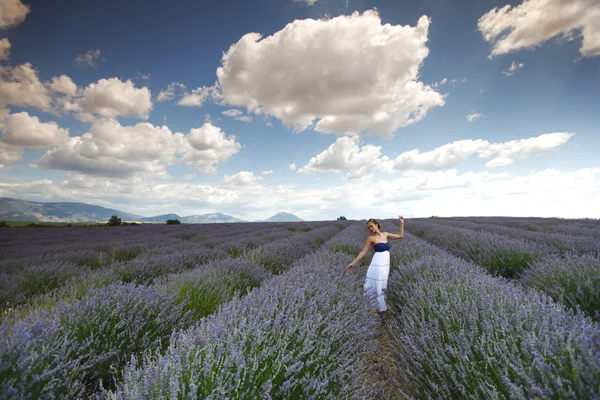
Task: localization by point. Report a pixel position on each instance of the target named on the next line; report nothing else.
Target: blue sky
(319, 108)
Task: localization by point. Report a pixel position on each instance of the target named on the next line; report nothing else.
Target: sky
(320, 108)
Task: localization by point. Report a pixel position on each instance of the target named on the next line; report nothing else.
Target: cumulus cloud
(513, 67)
(207, 146)
(473, 117)
(63, 84)
(88, 58)
(534, 22)
(4, 49)
(292, 166)
(25, 131)
(9, 154)
(508, 151)
(361, 75)
(238, 115)
(12, 13)
(21, 86)
(110, 149)
(111, 98)
(242, 178)
(414, 193)
(345, 154)
(452, 154)
(267, 172)
(197, 97)
(446, 156)
(172, 90)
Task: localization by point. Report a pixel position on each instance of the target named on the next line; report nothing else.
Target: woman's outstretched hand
(401, 218)
(349, 267)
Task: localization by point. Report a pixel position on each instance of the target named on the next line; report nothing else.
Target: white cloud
(88, 58)
(452, 82)
(242, 178)
(533, 22)
(12, 13)
(446, 156)
(197, 97)
(292, 166)
(4, 49)
(267, 172)
(513, 67)
(21, 86)
(362, 75)
(345, 154)
(207, 146)
(473, 117)
(111, 98)
(499, 162)
(550, 192)
(9, 154)
(25, 131)
(237, 114)
(110, 149)
(452, 154)
(526, 147)
(172, 90)
(63, 84)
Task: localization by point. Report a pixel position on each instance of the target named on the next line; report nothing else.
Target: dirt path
(380, 366)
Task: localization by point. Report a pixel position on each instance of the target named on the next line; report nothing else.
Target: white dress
(377, 276)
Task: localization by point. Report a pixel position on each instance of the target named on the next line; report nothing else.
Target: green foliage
(173, 222)
(114, 221)
(342, 218)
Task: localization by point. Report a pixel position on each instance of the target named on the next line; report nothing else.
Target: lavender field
(490, 308)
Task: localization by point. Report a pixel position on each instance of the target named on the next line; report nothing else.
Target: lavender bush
(66, 352)
(561, 243)
(202, 290)
(278, 256)
(500, 255)
(572, 280)
(304, 334)
(462, 333)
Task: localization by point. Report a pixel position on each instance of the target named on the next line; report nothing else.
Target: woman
(377, 274)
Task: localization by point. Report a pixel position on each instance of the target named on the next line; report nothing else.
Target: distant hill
(283, 217)
(35, 211)
(160, 218)
(209, 219)
(23, 210)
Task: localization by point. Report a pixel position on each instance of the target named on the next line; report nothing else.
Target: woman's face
(372, 227)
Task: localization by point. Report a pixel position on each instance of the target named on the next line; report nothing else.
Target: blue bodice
(379, 247)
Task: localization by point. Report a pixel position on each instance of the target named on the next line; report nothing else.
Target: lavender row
(139, 262)
(560, 242)
(92, 336)
(278, 256)
(462, 333)
(35, 279)
(572, 280)
(195, 294)
(304, 334)
(93, 246)
(582, 227)
(500, 255)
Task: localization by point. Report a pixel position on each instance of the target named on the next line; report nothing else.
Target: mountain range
(24, 210)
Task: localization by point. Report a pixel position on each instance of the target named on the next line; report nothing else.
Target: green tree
(342, 218)
(173, 221)
(114, 221)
